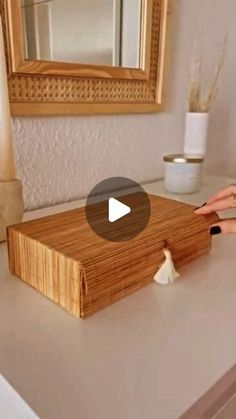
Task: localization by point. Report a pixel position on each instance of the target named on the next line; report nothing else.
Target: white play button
(117, 215)
(117, 210)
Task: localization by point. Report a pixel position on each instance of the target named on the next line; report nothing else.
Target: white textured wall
(213, 19)
(60, 159)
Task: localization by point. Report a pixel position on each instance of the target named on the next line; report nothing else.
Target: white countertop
(12, 406)
(149, 356)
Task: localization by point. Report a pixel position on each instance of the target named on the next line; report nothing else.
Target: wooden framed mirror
(84, 56)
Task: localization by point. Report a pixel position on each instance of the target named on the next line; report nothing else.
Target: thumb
(224, 226)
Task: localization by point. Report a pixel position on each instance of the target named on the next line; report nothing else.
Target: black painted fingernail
(215, 230)
(201, 206)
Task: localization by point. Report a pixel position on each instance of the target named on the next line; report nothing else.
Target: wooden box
(61, 256)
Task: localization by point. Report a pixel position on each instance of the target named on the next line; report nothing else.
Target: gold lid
(182, 158)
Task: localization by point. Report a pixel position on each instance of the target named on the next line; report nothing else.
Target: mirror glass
(100, 32)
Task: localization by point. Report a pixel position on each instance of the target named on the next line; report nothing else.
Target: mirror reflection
(100, 32)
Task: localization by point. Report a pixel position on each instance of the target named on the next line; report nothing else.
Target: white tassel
(166, 273)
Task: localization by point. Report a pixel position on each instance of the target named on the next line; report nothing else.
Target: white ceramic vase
(196, 134)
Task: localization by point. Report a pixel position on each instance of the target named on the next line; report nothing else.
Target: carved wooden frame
(44, 88)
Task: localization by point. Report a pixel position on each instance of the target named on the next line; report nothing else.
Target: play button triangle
(117, 210)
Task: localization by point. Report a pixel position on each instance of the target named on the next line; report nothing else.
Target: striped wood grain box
(62, 258)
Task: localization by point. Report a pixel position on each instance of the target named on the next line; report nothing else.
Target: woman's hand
(223, 200)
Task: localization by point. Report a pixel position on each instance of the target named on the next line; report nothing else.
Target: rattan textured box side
(49, 272)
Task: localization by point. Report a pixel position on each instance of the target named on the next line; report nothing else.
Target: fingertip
(201, 211)
(215, 230)
(227, 226)
(200, 208)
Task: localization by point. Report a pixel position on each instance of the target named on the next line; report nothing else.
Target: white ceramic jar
(183, 174)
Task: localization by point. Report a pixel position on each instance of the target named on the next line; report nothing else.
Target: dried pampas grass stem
(197, 101)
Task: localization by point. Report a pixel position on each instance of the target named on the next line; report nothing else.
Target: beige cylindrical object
(196, 133)
(11, 205)
(7, 161)
(183, 175)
